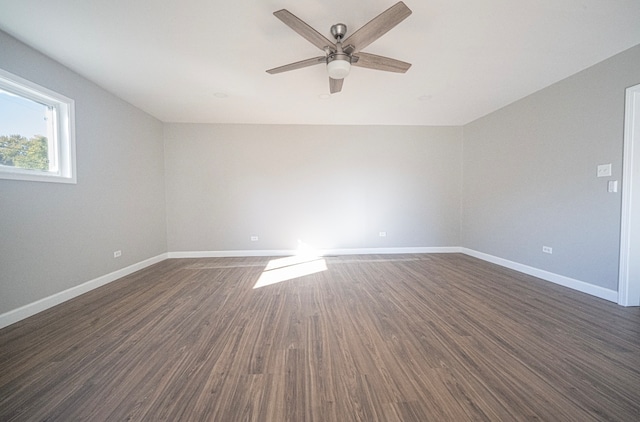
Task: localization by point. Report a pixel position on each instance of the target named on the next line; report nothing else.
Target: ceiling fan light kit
(339, 59)
(338, 67)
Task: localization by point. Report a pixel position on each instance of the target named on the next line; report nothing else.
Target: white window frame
(62, 140)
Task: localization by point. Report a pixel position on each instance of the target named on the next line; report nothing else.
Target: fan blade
(371, 61)
(335, 85)
(298, 65)
(378, 26)
(302, 28)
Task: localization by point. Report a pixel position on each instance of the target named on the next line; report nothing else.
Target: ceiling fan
(339, 56)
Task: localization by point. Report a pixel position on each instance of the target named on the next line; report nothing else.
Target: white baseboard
(581, 286)
(321, 252)
(30, 309)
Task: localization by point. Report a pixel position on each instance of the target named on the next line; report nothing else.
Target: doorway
(629, 278)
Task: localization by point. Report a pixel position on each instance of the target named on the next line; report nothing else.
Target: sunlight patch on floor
(289, 268)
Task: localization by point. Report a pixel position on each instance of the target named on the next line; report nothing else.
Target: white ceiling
(176, 58)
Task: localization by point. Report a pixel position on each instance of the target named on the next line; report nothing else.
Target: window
(37, 139)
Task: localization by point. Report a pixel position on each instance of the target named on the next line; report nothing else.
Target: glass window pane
(25, 130)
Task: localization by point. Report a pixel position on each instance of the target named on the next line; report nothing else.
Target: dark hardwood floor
(441, 337)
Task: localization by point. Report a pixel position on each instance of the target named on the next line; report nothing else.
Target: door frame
(628, 289)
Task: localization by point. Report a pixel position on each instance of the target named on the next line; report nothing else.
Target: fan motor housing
(338, 56)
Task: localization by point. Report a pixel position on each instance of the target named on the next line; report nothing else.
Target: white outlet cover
(604, 170)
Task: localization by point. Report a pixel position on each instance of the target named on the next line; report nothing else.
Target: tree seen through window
(23, 125)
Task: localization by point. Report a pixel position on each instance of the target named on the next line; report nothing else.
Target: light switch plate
(604, 170)
(612, 186)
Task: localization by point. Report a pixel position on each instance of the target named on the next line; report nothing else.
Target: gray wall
(530, 175)
(328, 186)
(56, 236)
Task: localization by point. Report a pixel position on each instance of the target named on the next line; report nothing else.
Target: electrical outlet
(254, 238)
(604, 170)
(117, 254)
(547, 249)
(382, 234)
